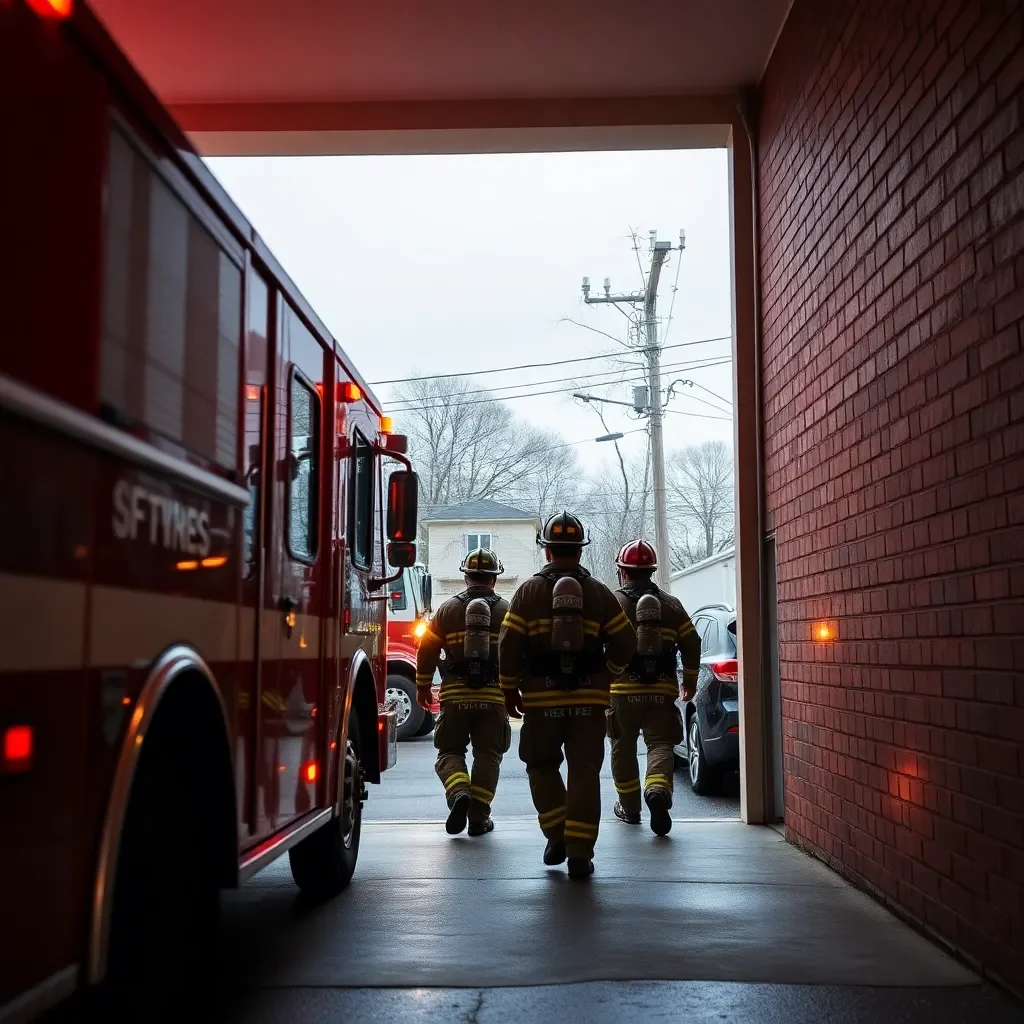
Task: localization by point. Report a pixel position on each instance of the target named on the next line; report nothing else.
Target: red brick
(892, 271)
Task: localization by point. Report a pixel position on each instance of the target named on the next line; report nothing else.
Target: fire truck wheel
(402, 691)
(427, 727)
(323, 863)
(165, 937)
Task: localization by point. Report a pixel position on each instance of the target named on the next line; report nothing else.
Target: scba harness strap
(566, 670)
(476, 672)
(647, 669)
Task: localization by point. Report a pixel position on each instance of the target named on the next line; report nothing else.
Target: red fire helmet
(637, 554)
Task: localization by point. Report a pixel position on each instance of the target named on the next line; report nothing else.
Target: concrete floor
(717, 922)
(410, 791)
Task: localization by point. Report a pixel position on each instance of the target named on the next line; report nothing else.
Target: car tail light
(18, 748)
(726, 671)
(733, 728)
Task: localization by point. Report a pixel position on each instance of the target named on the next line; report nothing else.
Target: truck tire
(323, 863)
(165, 927)
(427, 727)
(402, 691)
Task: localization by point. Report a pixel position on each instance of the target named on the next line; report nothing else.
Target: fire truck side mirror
(403, 507)
(401, 554)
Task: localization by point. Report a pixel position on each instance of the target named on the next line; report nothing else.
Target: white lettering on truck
(182, 528)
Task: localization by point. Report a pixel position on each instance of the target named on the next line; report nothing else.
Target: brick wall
(892, 262)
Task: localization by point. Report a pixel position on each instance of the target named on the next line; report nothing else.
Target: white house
(708, 582)
(454, 531)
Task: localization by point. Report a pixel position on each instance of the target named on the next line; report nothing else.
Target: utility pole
(653, 405)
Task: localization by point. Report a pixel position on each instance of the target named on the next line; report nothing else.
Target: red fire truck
(408, 613)
(193, 577)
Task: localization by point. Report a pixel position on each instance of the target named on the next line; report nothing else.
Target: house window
(477, 540)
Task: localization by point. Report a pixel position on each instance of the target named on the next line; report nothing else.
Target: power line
(444, 404)
(418, 403)
(530, 366)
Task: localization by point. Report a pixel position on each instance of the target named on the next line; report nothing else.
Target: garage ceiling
(251, 64)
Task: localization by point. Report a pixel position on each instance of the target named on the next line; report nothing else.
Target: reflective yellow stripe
(511, 624)
(658, 780)
(616, 670)
(686, 629)
(668, 634)
(617, 622)
(628, 787)
(483, 794)
(424, 680)
(551, 817)
(456, 779)
(660, 689)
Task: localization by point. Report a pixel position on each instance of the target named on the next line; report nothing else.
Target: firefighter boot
(482, 827)
(580, 867)
(458, 814)
(554, 852)
(658, 803)
(624, 815)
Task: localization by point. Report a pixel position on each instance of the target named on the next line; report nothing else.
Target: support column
(749, 534)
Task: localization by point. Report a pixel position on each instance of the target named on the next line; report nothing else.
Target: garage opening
(552, 330)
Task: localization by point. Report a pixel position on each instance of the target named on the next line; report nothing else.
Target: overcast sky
(442, 264)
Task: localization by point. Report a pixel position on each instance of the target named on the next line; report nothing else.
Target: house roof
(722, 556)
(476, 510)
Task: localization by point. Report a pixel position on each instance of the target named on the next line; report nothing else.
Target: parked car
(711, 720)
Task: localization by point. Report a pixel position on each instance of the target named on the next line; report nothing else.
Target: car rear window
(729, 644)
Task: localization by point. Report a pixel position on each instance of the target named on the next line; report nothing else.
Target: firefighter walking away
(563, 640)
(643, 697)
(465, 629)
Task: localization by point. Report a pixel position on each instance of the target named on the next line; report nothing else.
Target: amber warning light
(19, 745)
(349, 392)
(53, 9)
(823, 632)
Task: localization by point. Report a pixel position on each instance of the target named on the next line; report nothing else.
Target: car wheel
(427, 727)
(703, 778)
(410, 715)
(323, 863)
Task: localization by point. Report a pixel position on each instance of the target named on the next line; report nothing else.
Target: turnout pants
(483, 724)
(656, 716)
(570, 811)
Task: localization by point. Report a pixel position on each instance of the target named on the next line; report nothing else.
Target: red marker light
(19, 745)
(311, 771)
(55, 10)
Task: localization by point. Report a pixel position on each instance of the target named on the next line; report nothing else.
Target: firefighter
(643, 698)
(563, 640)
(465, 629)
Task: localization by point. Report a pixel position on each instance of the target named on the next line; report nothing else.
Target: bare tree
(466, 448)
(701, 499)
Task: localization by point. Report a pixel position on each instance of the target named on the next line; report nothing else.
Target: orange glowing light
(387, 425)
(252, 392)
(312, 771)
(349, 392)
(54, 9)
(18, 744)
(823, 632)
(333, 744)
(126, 701)
(214, 561)
(187, 566)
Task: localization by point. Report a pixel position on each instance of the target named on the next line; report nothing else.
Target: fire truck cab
(194, 571)
(408, 617)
